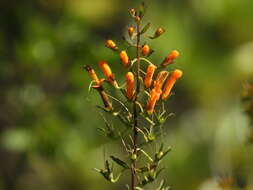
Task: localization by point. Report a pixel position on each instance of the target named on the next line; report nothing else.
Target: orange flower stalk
(154, 97)
(170, 58)
(161, 77)
(149, 75)
(130, 31)
(111, 44)
(145, 50)
(107, 72)
(176, 74)
(124, 58)
(130, 85)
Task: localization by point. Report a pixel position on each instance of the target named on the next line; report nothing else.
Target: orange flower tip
(101, 63)
(124, 58)
(131, 31)
(130, 76)
(110, 44)
(174, 54)
(177, 74)
(145, 50)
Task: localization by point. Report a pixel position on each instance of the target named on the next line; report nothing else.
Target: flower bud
(161, 77)
(159, 32)
(132, 12)
(130, 85)
(176, 74)
(130, 31)
(145, 50)
(111, 44)
(133, 157)
(124, 58)
(170, 58)
(154, 97)
(107, 72)
(149, 74)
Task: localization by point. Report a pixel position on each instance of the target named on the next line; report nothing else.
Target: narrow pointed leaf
(120, 162)
(145, 28)
(142, 9)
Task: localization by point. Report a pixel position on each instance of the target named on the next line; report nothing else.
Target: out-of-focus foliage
(48, 120)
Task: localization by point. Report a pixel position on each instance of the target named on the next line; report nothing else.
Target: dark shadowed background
(48, 119)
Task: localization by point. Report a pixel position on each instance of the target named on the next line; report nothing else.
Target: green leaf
(158, 173)
(145, 28)
(129, 43)
(161, 148)
(166, 152)
(120, 162)
(142, 9)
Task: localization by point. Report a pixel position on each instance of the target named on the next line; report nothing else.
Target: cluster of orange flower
(159, 89)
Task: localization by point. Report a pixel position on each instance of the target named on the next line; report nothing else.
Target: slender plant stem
(135, 114)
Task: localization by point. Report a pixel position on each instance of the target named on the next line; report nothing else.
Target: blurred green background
(48, 136)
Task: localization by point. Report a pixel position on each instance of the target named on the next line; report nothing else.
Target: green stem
(135, 114)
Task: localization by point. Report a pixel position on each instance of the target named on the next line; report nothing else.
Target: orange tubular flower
(92, 74)
(111, 44)
(145, 50)
(169, 59)
(131, 31)
(130, 85)
(149, 74)
(99, 88)
(154, 97)
(176, 74)
(107, 72)
(161, 77)
(124, 58)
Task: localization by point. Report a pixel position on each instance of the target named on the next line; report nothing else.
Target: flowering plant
(142, 111)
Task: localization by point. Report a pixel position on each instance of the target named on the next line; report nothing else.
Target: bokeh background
(48, 119)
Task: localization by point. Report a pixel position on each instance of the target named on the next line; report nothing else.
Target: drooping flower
(149, 75)
(124, 58)
(145, 50)
(111, 44)
(107, 72)
(130, 85)
(176, 74)
(170, 58)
